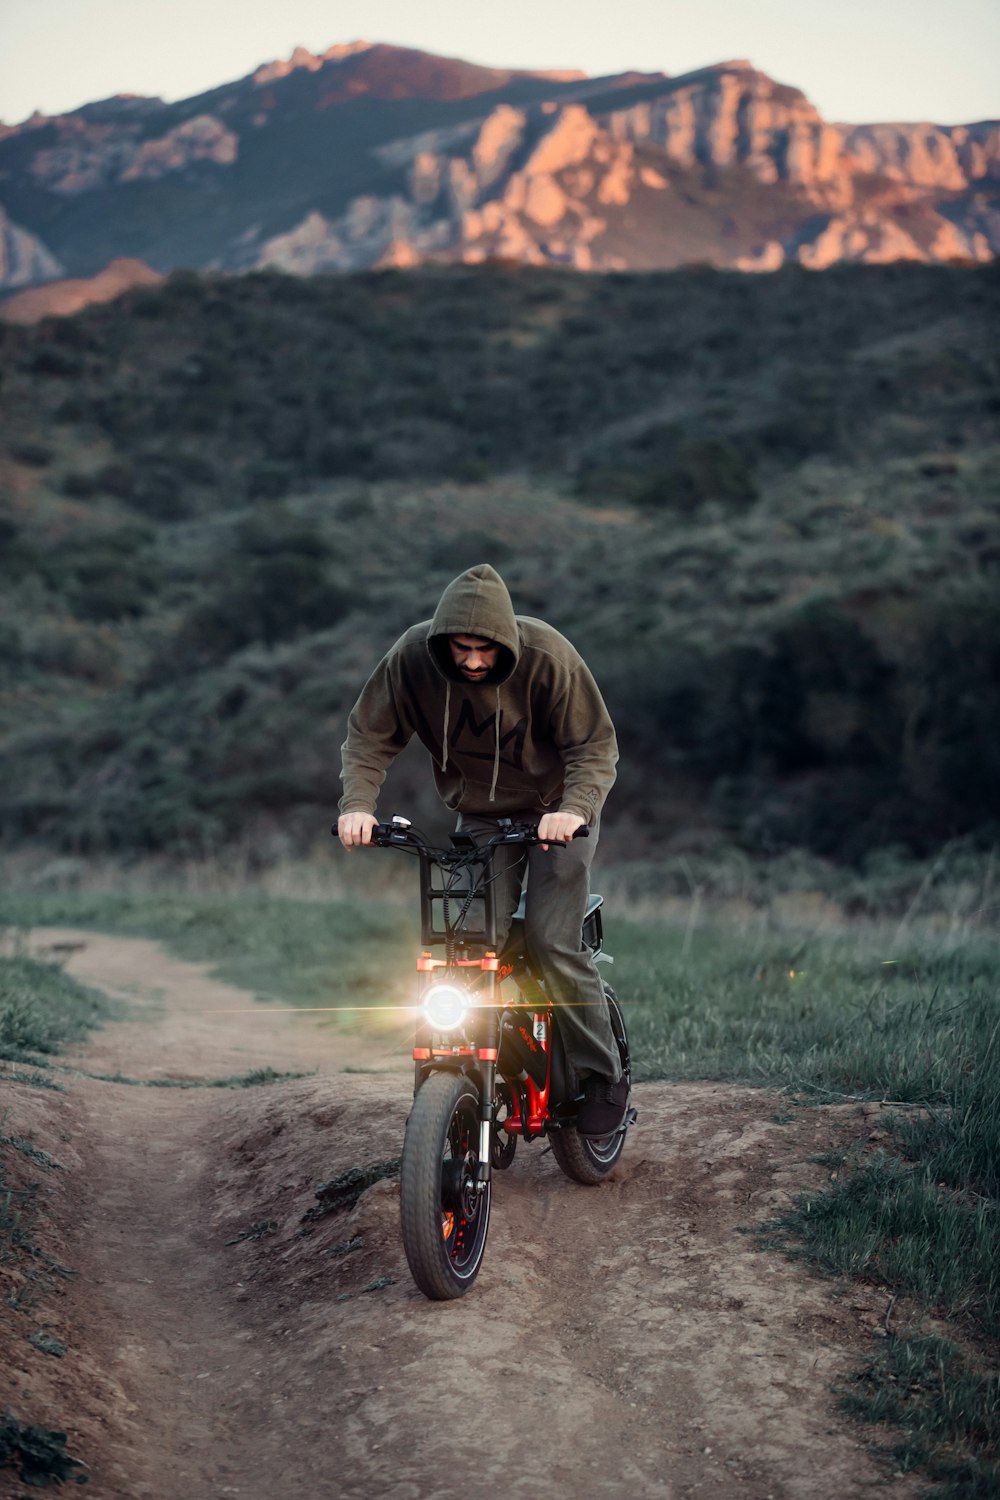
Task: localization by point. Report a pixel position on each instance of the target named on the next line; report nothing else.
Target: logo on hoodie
(477, 728)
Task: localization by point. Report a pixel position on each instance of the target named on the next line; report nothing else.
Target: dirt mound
(227, 1337)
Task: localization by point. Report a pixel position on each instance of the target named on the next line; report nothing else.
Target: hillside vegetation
(766, 509)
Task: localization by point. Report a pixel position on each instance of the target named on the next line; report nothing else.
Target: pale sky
(857, 60)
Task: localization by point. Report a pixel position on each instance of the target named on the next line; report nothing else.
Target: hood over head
(475, 603)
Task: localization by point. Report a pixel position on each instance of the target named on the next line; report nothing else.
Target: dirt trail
(621, 1341)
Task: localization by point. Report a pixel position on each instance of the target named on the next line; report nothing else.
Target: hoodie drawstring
(447, 716)
(496, 750)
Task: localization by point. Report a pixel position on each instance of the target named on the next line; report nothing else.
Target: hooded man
(516, 728)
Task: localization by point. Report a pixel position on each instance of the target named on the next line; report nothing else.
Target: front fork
(487, 1123)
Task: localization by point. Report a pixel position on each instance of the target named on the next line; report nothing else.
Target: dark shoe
(604, 1105)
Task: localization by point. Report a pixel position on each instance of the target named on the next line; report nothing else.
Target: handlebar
(388, 834)
(403, 835)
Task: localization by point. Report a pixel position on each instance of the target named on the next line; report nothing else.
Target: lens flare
(445, 1006)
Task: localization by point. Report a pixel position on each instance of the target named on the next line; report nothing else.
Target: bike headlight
(445, 1006)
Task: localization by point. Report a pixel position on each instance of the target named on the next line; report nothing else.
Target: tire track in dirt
(627, 1340)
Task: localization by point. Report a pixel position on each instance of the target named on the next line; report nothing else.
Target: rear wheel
(589, 1159)
(444, 1214)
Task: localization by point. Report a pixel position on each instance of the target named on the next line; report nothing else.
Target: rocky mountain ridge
(370, 155)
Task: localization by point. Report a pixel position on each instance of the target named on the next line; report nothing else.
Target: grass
(341, 1193)
(41, 1008)
(254, 1079)
(946, 1409)
(19, 1143)
(825, 1015)
(890, 1223)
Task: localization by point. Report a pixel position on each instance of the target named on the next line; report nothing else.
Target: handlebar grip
(583, 832)
(381, 830)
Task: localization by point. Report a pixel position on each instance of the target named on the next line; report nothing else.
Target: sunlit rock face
(373, 232)
(452, 209)
(83, 158)
(314, 164)
(501, 135)
(89, 157)
(867, 237)
(310, 61)
(23, 258)
(200, 139)
(921, 156)
(734, 116)
(551, 185)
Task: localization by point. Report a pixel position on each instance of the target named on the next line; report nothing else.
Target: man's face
(474, 656)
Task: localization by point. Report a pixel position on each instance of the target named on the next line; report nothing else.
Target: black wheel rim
(604, 1148)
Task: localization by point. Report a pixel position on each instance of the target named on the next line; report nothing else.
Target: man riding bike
(516, 728)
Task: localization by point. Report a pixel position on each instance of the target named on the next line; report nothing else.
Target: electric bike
(489, 1065)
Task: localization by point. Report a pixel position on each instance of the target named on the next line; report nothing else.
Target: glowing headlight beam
(445, 1006)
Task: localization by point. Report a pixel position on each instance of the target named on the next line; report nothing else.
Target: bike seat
(594, 903)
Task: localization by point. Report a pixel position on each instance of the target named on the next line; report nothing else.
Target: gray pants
(557, 892)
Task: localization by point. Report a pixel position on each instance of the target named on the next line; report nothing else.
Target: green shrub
(699, 470)
(118, 479)
(29, 451)
(272, 530)
(104, 589)
(49, 359)
(79, 485)
(267, 480)
(345, 455)
(74, 650)
(36, 1454)
(606, 483)
(12, 653)
(466, 548)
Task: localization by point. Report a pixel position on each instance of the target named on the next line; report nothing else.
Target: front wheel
(589, 1159)
(444, 1212)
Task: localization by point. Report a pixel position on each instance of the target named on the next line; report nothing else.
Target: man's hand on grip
(559, 826)
(355, 828)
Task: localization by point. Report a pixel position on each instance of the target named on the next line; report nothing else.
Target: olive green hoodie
(533, 736)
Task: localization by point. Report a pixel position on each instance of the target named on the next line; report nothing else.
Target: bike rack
(439, 892)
